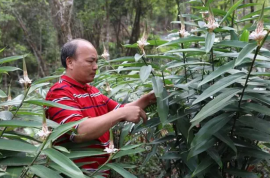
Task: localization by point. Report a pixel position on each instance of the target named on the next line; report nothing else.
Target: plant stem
(243, 91)
(251, 67)
(109, 159)
(184, 59)
(5, 128)
(35, 158)
(162, 73)
(232, 23)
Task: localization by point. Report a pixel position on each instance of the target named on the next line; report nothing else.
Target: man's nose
(95, 66)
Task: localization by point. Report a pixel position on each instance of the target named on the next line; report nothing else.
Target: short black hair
(68, 50)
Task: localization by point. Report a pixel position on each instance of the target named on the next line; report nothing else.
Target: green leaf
(162, 104)
(171, 155)
(44, 172)
(15, 145)
(210, 128)
(137, 57)
(12, 58)
(64, 162)
(61, 148)
(244, 53)
(128, 147)
(183, 40)
(34, 87)
(163, 139)
(224, 138)
(145, 72)
(256, 123)
(255, 153)
(62, 129)
(2, 94)
(117, 167)
(45, 79)
(121, 59)
(213, 153)
(13, 172)
(49, 103)
(178, 64)
(5, 115)
(16, 161)
(241, 173)
(81, 154)
(221, 70)
(232, 43)
(20, 123)
(256, 107)
(128, 152)
(245, 36)
(186, 50)
(222, 83)
(209, 41)
(214, 106)
(252, 134)
(201, 147)
(124, 132)
(231, 10)
(6, 69)
(202, 166)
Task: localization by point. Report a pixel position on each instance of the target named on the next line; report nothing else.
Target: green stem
(109, 159)
(5, 128)
(184, 60)
(35, 158)
(243, 91)
(232, 23)
(162, 73)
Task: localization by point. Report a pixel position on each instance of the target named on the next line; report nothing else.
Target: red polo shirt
(92, 104)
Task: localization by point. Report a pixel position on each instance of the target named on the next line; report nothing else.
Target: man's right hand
(133, 114)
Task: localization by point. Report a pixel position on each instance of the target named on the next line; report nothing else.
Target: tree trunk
(135, 34)
(178, 12)
(61, 11)
(40, 60)
(251, 9)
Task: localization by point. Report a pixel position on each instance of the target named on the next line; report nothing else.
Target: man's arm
(93, 128)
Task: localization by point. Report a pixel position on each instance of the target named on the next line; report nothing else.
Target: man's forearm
(95, 127)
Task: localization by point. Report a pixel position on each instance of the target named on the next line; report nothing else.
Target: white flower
(25, 80)
(110, 149)
(211, 24)
(44, 132)
(204, 12)
(105, 54)
(143, 42)
(183, 33)
(259, 33)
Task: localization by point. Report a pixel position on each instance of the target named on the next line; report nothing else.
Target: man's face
(83, 67)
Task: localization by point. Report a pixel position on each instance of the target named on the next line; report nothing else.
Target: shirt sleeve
(60, 115)
(111, 104)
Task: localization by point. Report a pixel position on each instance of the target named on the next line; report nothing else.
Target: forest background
(40, 27)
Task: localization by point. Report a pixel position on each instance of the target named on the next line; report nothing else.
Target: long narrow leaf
(231, 10)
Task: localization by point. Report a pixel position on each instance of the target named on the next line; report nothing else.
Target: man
(79, 57)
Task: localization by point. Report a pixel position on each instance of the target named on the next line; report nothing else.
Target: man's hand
(144, 101)
(151, 98)
(133, 114)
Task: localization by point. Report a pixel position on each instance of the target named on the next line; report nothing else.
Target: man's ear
(69, 62)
